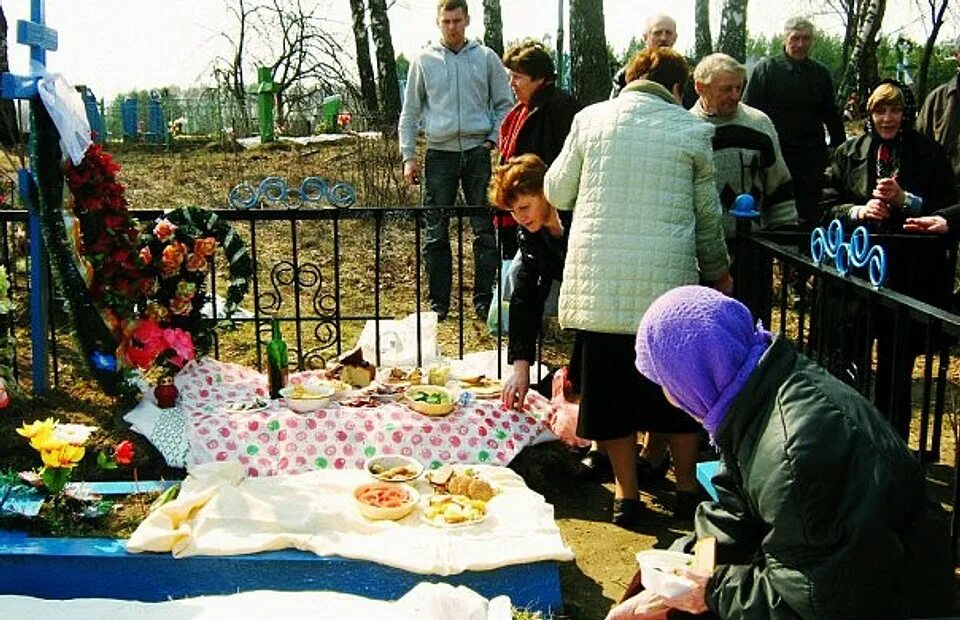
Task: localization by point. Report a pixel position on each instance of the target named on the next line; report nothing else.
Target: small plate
(441, 523)
(253, 406)
(387, 462)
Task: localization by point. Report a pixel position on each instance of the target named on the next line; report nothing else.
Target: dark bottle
(277, 360)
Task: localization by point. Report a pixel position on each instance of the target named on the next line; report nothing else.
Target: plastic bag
(498, 317)
(398, 340)
(66, 109)
(565, 412)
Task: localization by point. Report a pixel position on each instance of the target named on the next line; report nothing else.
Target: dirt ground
(162, 178)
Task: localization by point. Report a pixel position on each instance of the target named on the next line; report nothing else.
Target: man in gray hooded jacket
(460, 90)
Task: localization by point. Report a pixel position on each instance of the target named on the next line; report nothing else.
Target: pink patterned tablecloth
(278, 440)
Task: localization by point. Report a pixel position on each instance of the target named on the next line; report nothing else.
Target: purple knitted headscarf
(701, 346)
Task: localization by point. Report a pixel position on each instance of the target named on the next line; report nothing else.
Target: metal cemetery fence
(329, 270)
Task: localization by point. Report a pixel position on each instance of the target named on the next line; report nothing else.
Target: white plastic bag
(65, 106)
(398, 340)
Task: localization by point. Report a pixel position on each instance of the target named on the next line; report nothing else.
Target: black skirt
(615, 399)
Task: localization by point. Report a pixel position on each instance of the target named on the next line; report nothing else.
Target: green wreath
(104, 265)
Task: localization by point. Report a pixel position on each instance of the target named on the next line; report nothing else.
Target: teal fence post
(265, 103)
(39, 38)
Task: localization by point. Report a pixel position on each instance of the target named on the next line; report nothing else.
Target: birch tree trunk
(936, 16)
(368, 86)
(704, 40)
(861, 71)
(588, 52)
(732, 39)
(493, 26)
(386, 63)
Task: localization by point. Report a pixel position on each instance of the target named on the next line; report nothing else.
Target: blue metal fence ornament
(856, 253)
(275, 192)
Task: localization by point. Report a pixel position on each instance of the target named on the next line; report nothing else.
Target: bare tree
(368, 85)
(732, 39)
(861, 71)
(386, 63)
(304, 57)
(588, 51)
(493, 26)
(704, 41)
(937, 10)
(229, 71)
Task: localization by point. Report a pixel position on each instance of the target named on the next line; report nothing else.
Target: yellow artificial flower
(40, 427)
(46, 441)
(66, 456)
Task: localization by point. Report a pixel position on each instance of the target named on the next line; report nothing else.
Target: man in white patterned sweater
(746, 150)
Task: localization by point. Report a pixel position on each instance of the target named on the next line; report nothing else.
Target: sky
(115, 46)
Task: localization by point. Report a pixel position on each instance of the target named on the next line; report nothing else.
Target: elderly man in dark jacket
(796, 92)
(822, 510)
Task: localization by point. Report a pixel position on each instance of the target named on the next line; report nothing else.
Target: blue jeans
(444, 173)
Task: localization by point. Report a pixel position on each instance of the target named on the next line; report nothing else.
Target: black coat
(542, 258)
(823, 511)
(547, 125)
(799, 99)
(924, 271)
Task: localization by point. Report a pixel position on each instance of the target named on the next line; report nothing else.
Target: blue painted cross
(40, 38)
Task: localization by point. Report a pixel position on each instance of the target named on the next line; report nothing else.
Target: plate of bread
(482, 386)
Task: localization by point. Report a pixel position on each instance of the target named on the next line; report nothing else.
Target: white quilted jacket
(637, 171)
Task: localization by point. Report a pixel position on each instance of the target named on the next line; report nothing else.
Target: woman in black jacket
(517, 187)
(880, 179)
(538, 123)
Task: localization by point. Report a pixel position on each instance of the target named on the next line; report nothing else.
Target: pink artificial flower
(182, 344)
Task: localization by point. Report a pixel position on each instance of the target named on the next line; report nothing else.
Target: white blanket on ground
(426, 601)
(219, 512)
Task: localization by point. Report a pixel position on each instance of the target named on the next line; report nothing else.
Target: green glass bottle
(277, 360)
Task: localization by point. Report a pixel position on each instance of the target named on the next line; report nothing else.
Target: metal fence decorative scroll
(274, 191)
(855, 253)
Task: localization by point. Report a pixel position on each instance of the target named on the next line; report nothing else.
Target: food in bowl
(303, 398)
(430, 399)
(384, 501)
(394, 468)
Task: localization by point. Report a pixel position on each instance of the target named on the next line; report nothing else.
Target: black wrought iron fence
(325, 271)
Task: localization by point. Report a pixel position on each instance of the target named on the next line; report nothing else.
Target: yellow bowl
(370, 497)
(435, 409)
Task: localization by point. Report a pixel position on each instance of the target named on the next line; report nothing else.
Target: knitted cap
(701, 346)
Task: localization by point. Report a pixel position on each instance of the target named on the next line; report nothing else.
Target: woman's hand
(874, 210)
(516, 388)
(643, 606)
(890, 192)
(694, 601)
(724, 284)
(928, 224)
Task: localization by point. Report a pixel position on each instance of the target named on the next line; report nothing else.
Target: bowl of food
(661, 572)
(304, 398)
(385, 501)
(394, 468)
(430, 399)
